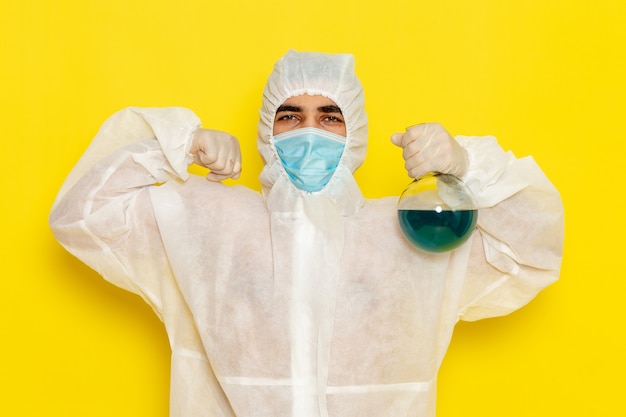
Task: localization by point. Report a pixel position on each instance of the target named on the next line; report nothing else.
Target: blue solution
(434, 231)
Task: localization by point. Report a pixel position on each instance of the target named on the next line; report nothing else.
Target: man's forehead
(306, 101)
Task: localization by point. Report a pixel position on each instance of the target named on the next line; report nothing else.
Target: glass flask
(437, 212)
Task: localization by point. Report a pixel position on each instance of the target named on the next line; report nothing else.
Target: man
(304, 300)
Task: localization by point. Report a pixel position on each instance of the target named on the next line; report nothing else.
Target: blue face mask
(310, 156)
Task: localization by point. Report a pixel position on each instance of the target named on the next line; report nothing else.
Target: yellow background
(545, 76)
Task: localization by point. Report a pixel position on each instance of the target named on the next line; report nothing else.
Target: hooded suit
(292, 303)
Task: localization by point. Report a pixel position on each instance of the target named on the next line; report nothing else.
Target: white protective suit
(289, 303)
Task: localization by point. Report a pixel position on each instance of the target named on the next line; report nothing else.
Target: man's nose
(311, 122)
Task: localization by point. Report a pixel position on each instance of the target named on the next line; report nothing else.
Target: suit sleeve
(517, 248)
(103, 214)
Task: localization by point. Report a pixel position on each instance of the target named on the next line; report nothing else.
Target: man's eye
(288, 117)
(331, 118)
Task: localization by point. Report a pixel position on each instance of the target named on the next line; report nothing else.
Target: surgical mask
(310, 156)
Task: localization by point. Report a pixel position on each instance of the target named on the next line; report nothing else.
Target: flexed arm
(103, 214)
(517, 248)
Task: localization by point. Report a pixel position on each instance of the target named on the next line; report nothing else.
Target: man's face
(309, 111)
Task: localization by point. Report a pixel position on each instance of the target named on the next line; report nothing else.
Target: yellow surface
(545, 76)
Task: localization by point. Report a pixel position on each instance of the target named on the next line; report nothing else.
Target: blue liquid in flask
(437, 231)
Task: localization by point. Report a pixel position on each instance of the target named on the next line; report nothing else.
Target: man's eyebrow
(289, 107)
(329, 109)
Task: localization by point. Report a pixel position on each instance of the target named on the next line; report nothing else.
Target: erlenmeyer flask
(437, 212)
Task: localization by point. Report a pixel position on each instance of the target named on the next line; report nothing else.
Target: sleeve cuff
(493, 175)
(174, 128)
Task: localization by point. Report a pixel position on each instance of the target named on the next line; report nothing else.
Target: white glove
(217, 151)
(428, 147)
